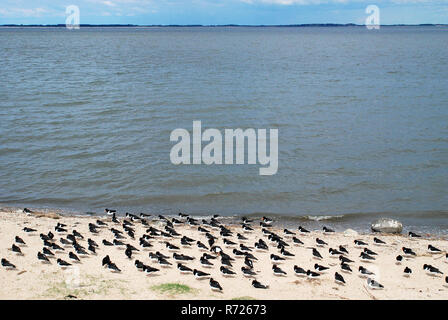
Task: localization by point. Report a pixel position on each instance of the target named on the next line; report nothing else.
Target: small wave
(5, 151)
(331, 190)
(66, 104)
(321, 218)
(369, 185)
(290, 217)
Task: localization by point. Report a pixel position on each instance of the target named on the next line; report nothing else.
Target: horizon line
(225, 25)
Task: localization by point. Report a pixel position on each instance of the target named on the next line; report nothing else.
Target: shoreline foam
(430, 222)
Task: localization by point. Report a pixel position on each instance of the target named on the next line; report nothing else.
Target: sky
(215, 12)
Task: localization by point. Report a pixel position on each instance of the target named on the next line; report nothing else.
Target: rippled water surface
(362, 115)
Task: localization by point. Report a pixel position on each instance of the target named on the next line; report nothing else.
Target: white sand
(89, 280)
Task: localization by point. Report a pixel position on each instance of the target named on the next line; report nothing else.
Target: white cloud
(24, 12)
(108, 3)
(297, 2)
(315, 2)
(418, 1)
(118, 2)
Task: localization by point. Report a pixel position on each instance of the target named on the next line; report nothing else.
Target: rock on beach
(387, 225)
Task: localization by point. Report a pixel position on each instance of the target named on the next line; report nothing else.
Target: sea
(362, 116)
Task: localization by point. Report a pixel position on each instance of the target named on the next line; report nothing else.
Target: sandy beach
(33, 279)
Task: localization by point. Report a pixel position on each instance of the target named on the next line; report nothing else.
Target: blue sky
(149, 12)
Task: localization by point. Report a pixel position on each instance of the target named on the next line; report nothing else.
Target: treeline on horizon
(223, 25)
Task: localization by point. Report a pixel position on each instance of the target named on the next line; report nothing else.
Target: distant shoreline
(217, 26)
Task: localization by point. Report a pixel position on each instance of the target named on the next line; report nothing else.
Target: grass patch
(244, 298)
(172, 288)
(89, 286)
